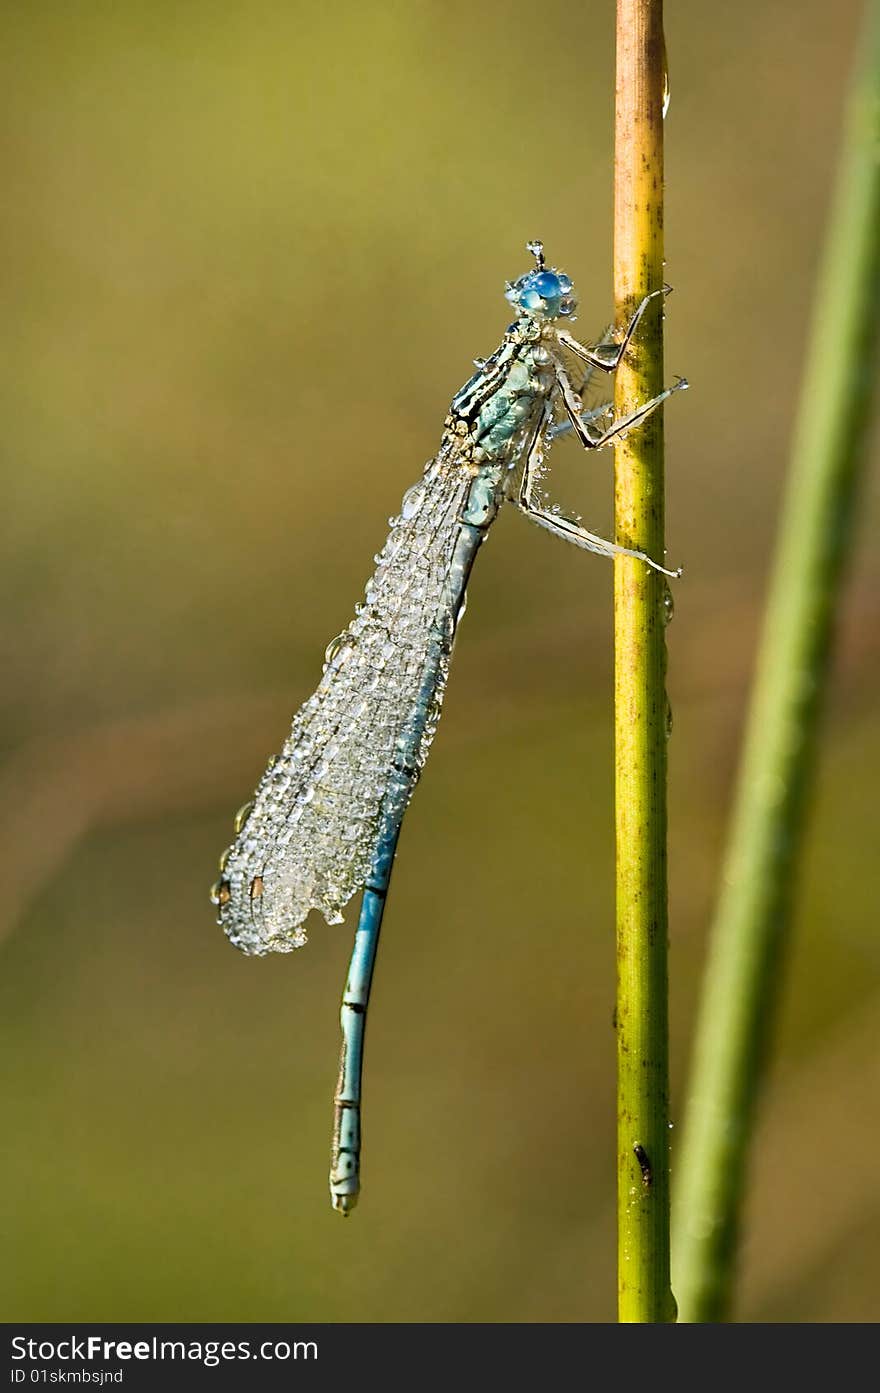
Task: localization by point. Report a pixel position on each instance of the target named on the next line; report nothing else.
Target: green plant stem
(748, 937)
(639, 684)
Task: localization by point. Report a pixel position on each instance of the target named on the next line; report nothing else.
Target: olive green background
(248, 253)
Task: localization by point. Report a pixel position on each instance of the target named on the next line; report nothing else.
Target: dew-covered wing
(309, 840)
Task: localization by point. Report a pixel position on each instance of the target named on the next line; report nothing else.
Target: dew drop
(668, 602)
(666, 92)
(220, 892)
(332, 649)
(412, 501)
(242, 816)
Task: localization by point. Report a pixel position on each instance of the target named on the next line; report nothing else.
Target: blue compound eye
(542, 294)
(547, 285)
(531, 299)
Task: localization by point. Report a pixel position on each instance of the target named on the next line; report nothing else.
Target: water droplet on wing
(412, 501)
(333, 649)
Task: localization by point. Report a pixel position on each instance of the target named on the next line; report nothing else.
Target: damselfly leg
(605, 408)
(580, 423)
(608, 353)
(554, 520)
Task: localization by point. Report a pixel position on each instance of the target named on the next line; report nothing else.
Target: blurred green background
(248, 254)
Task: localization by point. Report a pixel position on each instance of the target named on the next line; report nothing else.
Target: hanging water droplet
(666, 92)
(242, 816)
(668, 605)
(224, 859)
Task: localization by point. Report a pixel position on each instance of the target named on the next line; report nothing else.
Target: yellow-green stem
(750, 929)
(640, 684)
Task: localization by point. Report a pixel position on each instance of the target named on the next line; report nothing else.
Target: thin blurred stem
(640, 695)
(751, 924)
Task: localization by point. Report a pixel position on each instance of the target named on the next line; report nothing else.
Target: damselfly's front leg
(608, 356)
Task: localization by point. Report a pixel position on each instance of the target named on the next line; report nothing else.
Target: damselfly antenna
(537, 250)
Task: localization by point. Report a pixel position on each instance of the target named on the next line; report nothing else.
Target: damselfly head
(544, 293)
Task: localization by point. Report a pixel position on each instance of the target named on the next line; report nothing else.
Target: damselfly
(325, 819)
